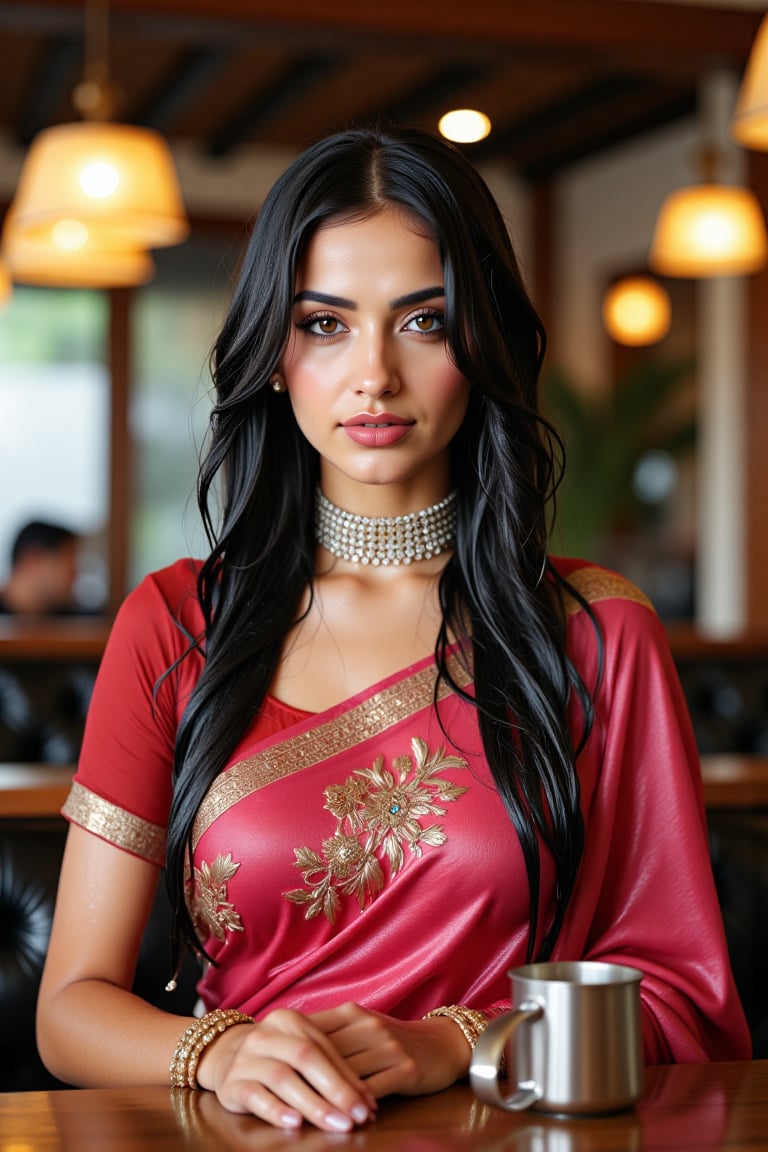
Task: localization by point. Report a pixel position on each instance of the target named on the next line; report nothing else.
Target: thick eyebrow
(324, 298)
(343, 302)
(417, 297)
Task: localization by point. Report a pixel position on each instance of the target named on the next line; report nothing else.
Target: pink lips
(377, 431)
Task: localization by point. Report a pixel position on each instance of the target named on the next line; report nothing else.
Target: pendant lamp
(116, 181)
(67, 256)
(749, 126)
(637, 311)
(709, 229)
(6, 286)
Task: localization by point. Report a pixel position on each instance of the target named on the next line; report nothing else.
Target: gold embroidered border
(114, 824)
(597, 584)
(371, 717)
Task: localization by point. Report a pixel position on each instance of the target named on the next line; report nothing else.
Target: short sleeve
(123, 784)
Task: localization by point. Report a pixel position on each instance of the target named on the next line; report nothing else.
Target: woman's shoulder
(606, 611)
(169, 592)
(180, 576)
(593, 584)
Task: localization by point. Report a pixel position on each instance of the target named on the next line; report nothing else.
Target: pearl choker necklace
(385, 539)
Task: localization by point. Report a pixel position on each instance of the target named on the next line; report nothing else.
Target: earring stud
(277, 384)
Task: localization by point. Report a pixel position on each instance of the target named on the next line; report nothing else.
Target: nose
(375, 372)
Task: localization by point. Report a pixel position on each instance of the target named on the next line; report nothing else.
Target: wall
(605, 211)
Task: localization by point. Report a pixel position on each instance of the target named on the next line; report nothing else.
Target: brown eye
(428, 322)
(322, 326)
(327, 325)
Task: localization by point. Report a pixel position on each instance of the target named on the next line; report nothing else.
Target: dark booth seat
(30, 858)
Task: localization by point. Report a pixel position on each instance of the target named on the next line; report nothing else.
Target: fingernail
(338, 1122)
(290, 1119)
(360, 1113)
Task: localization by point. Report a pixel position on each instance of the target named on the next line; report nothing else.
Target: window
(54, 422)
(174, 323)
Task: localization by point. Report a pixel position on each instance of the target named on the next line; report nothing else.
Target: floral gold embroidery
(212, 912)
(378, 813)
(341, 732)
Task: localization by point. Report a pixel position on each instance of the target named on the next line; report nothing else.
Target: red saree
(374, 875)
(363, 853)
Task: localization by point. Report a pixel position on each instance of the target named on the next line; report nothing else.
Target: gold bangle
(471, 1022)
(195, 1040)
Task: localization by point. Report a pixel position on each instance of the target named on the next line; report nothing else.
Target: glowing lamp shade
(637, 311)
(117, 180)
(464, 125)
(68, 256)
(709, 230)
(5, 284)
(750, 120)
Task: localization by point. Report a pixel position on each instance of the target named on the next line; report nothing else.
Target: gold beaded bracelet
(196, 1039)
(471, 1022)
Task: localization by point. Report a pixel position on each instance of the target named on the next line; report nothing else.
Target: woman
(387, 746)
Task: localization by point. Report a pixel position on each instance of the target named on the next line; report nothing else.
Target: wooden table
(33, 790)
(735, 781)
(686, 1108)
(41, 789)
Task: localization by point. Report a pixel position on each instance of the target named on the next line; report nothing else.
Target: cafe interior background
(600, 110)
(604, 115)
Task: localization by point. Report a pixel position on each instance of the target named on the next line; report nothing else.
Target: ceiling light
(637, 311)
(117, 182)
(68, 256)
(116, 179)
(709, 230)
(750, 121)
(464, 125)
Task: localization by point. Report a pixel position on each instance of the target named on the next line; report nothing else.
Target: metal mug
(573, 1040)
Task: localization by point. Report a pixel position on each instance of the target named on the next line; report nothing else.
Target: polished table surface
(685, 1108)
(41, 789)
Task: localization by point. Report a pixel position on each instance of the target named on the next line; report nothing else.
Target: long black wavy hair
(259, 474)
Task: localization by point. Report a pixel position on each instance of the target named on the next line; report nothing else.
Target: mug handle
(487, 1056)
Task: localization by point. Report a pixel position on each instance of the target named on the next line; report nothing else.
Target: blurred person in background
(43, 571)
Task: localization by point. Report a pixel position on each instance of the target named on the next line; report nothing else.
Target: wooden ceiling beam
(564, 116)
(628, 26)
(185, 82)
(433, 92)
(293, 84)
(562, 155)
(58, 70)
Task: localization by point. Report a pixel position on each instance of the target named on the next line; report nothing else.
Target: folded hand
(285, 1070)
(408, 1057)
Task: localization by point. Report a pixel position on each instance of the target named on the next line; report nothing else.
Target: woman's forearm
(91, 1033)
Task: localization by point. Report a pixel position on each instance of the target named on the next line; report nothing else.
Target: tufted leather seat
(738, 845)
(30, 859)
(42, 710)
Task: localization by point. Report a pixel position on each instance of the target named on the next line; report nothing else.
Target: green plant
(605, 434)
